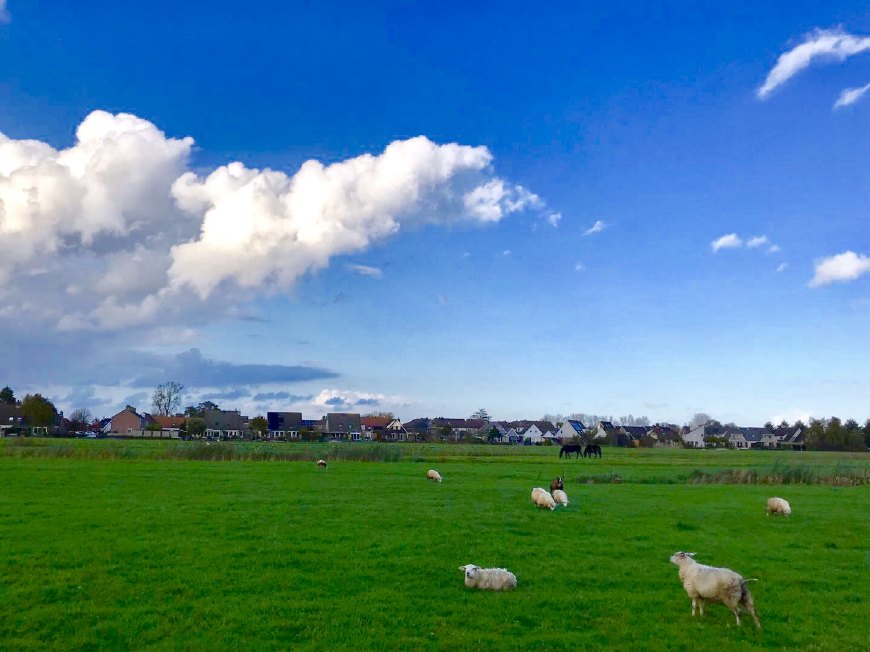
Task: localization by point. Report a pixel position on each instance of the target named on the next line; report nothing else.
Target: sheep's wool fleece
(778, 506)
(542, 498)
(432, 474)
(560, 497)
(490, 579)
(711, 583)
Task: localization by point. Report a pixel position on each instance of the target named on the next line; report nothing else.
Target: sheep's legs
(751, 609)
(694, 606)
(701, 605)
(755, 618)
(749, 605)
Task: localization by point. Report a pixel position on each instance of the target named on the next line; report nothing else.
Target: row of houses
(713, 434)
(345, 426)
(232, 424)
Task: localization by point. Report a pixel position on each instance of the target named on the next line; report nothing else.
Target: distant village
(213, 423)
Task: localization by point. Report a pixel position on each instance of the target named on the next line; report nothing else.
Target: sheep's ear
(691, 554)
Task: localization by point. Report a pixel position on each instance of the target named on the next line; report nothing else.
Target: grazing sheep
(778, 506)
(542, 498)
(714, 584)
(321, 463)
(556, 484)
(432, 474)
(492, 579)
(560, 497)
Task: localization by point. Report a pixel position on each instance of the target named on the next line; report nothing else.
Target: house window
(355, 436)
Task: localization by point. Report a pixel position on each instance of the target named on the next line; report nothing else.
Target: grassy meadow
(130, 545)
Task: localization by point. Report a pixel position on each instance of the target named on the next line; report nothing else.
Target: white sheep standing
(543, 499)
(714, 584)
(491, 579)
(560, 497)
(321, 463)
(432, 474)
(778, 506)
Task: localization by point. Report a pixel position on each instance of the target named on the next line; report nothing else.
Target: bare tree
(557, 419)
(383, 414)
(700, 418)
(80, 419)
(166, 399)
(481, 414)
(632, 420)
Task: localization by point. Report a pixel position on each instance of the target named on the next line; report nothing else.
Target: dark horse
(592, 450)
(567, 449)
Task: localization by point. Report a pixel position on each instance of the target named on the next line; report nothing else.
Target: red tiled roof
(375, 422)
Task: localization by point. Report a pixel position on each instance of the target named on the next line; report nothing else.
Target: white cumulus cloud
(819, 45)
(113, 182)
(756, 241)
(267, 227)
(840, 268)
(729, 241)
(851, 95)
(115, 231)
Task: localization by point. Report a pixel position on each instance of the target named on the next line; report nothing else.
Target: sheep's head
(470, 570)
(680, 558)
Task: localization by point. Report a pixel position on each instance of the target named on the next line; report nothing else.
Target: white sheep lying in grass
(714, 584)
(560, 497)
(778, 506)
(491, 579)
(432, 474)
(543, 499)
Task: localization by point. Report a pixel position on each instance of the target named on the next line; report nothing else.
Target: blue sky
(566, 254)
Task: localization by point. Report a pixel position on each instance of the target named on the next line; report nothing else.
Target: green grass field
(132, 551)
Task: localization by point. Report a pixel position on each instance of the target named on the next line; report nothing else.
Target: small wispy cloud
(4, 14)
(782, 267)
(851, 95)
(506, 252)
(442, 300)
(579, 267)
(465, 254)
(332, 398)
(840, 268)
(228, 395)
(729, 241)
(553, 219)
(819, 45)
(598, 227)
(366, 270)
(734, 241)
(286, 397)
